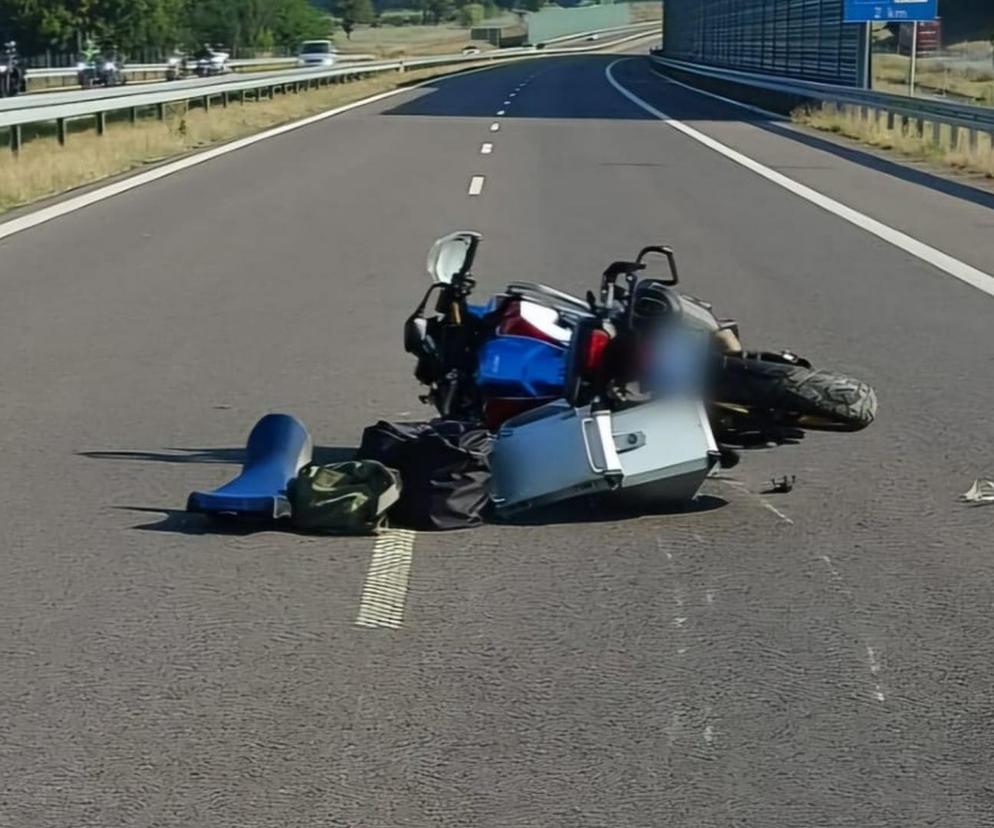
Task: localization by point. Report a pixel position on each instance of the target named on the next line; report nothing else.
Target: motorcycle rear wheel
(797, 395)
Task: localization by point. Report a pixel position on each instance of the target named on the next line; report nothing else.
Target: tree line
(424, 12)
(131, 25)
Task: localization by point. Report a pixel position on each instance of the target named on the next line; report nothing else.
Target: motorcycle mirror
(451, 256)
(415, 335)
(650, 259)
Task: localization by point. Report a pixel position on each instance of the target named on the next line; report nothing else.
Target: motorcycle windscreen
(515, 366)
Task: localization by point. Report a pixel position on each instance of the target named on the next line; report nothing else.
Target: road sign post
(867, 55)
(914, 59)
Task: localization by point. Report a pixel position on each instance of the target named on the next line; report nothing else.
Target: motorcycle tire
(798, 395)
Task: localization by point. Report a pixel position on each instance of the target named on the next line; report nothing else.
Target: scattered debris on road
(782, 486)
(980, 493)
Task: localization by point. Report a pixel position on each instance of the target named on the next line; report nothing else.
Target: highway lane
(826, 663)
(945, 211)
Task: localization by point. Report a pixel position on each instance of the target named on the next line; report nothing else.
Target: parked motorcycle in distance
(533, 344)
(13, 77)
(176, 66)
(97, 69)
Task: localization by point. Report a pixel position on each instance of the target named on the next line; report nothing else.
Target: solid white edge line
(926, 253)
(74, 203)
(486, 149)
(476, 185)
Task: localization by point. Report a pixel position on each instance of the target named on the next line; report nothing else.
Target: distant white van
(316, 53)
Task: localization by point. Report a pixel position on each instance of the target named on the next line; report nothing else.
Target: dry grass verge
(905, 138)
(43, 168)
(405, 41)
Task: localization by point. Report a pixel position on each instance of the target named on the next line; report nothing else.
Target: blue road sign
(861, 11)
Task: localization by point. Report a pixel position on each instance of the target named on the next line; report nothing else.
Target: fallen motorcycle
(533, 344)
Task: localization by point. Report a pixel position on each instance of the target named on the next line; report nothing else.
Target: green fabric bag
(344, 498)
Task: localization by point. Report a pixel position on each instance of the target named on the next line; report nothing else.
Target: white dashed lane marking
(494, 127)
(384, 594)
(871, 654)
(476, 185)
(486, 149)
(776, 511)
(759, 498)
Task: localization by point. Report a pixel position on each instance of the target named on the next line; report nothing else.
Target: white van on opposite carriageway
(316, 53)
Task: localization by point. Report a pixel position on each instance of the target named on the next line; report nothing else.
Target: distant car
(316, 53)
(593, 37)
(211, 61)
(471, 50)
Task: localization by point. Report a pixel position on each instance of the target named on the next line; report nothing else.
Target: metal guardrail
(244, 63)
(958, 116)
(97, 104)
(56, 78)
(70, 71)
(62, 83)
(52, 99)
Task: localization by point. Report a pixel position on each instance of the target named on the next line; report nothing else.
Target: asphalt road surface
(822, 658)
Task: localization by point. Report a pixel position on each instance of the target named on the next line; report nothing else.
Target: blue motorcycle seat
(278, 447)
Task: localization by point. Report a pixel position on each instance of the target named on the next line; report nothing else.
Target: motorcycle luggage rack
(570, 309)
(524, 289)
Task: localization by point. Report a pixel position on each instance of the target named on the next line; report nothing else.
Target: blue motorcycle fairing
(481, 311)
(517, 366)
